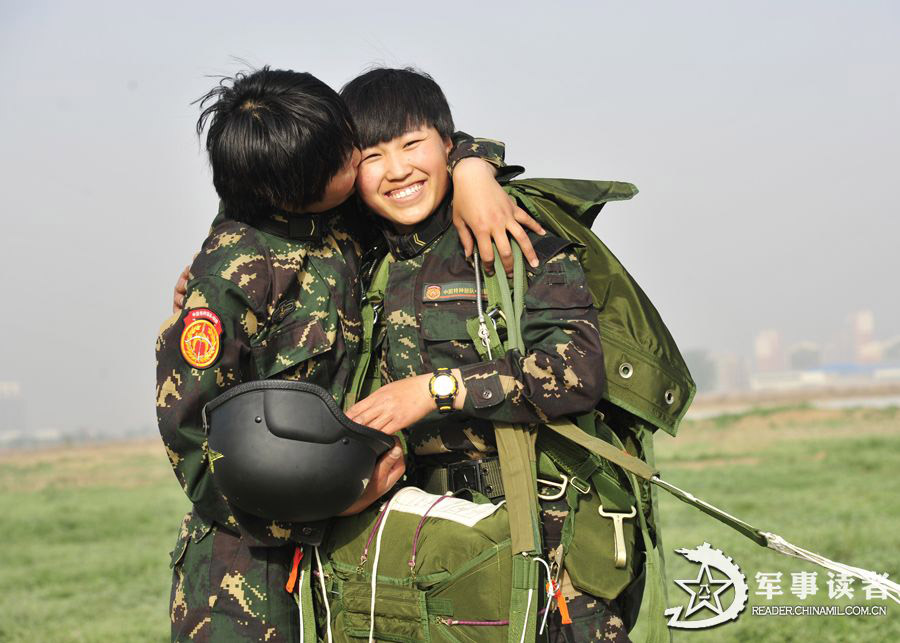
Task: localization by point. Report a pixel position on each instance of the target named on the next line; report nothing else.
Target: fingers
(180, 289)
(505, 251)
(486, 250)
(528, 221)
(354, 411)
(465, 237)
(521, 237)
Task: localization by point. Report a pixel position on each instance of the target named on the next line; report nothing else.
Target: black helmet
(284, 451)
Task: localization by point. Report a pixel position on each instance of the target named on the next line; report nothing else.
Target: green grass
(824, 480)
(88, 529)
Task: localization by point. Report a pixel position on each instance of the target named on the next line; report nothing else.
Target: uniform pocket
(292, 344)
(400, 612)
(193, 529)
(446, 335)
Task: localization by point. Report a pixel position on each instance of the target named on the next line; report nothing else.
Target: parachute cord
(387, 509)
(324, 592)
(782, 546)
(527, 610)
(550, 592)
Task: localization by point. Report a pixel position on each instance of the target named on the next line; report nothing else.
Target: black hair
(275, 139)
(387, 103)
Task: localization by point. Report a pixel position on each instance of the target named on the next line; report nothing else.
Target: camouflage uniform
(286, 292)
(429, 296)
(287, 295)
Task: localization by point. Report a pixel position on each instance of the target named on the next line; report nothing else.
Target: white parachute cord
(550, 592)
(527, 610)
(324, 592)
(300, 605)
(386, 510)
(782, 546)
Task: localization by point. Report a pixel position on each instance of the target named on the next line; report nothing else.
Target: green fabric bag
(437, 578)
(646, 374)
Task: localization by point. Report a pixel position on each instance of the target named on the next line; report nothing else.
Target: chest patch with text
(450, 291)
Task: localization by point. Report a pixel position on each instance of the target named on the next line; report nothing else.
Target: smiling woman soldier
(273, 293)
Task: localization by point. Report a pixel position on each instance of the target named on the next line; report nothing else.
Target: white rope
(527, 610)
(324, 592)
(550, 592)
(779, 544)
(387, 509)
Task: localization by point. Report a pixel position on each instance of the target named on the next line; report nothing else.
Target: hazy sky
(764, 138)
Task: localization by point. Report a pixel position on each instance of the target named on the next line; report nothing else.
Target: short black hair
(387, 103)
(275, 139)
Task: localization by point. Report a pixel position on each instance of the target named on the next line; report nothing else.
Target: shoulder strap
(371, 307)
(518, 467)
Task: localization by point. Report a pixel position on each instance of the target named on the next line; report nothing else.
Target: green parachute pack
(423, 567)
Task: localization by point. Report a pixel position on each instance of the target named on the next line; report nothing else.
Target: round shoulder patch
(200, 339)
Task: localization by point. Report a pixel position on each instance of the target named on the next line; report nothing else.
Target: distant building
(866, 350)
(12, 407)
(891, 350)
(767, 351)
(731, 373)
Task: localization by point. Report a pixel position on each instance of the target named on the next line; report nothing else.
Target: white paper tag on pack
(413, 500)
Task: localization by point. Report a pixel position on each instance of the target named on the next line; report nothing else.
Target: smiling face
(405, 179)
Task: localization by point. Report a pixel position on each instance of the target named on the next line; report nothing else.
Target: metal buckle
(493, 314)
(618, 517)
(577, 482)
(559, 485)
(465, 475)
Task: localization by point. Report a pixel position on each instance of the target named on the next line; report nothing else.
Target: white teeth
(405, 192)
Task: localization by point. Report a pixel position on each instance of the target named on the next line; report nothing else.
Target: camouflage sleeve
(494, 152)
(562, 372)
(199, 353)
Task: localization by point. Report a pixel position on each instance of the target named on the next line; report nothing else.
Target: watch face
(443, 385)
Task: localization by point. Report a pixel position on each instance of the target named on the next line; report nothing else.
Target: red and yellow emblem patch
(432, 292)
(200, 339)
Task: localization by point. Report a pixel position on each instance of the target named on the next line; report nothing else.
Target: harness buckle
(558, 485)
(581, 486)
(618, 517)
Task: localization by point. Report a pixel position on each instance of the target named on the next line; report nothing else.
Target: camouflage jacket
(279, 300)
(429, 296)
(284, 303)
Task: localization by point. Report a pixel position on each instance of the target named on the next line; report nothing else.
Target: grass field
(88, 528)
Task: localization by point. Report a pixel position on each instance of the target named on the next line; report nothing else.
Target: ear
(448, 145)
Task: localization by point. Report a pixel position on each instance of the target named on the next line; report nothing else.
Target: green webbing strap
(304, 596)
(643, 470)
(604, 449)
(654, 589)
(518, 470)
(374, 299)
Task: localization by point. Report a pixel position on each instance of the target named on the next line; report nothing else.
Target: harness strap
(371, 304)
(518, 466)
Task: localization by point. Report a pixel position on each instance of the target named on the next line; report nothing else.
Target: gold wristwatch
(443, 387)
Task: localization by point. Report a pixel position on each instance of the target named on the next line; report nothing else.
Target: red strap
(292, 579)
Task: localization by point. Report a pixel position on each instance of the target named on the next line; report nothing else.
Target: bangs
(388, 103)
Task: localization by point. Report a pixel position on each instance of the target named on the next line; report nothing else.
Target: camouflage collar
(408, 245)
(297, 227)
